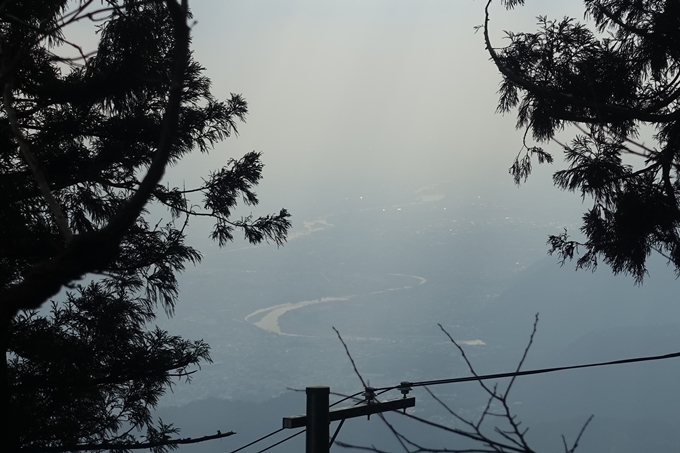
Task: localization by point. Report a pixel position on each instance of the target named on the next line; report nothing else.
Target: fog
(358, 95)
(377, 123)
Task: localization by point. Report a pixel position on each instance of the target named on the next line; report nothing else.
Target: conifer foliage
(615, 76)
(84, 142)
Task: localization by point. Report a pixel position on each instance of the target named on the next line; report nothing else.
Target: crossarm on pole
(299, 421)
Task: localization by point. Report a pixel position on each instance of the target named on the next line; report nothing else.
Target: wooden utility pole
(318, 416)
(318, 420)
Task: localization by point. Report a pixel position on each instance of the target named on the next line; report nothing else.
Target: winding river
(270, 321)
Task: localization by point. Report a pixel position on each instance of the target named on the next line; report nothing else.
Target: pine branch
(615, 112)
(34, 165)
(114, 446)
(89, 253)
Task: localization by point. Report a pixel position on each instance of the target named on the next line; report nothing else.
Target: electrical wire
(346, 398)
(484, 377)
(530, 372)
(258, 440)
(281, 429)
(342, 422)
(299, 432)
(282, 441)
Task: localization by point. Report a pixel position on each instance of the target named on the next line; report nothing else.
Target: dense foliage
(615, 77)
(92, 368)
(83, 144)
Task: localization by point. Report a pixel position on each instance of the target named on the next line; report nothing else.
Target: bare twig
(350, 358)
(578, 438)
(526, 352)
(486, 439)
(467, 361)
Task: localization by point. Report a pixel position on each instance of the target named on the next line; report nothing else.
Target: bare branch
(127, 446)
(578, 438)
(490, 440)
(467, 361)
(350, 358)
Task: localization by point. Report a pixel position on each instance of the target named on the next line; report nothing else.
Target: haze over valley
(377, 126)
(385, 273)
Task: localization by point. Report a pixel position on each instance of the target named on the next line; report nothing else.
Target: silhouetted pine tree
(83, 145)
(612, 79)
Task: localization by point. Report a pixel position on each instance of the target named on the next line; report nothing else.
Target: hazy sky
(351, 97)
(362, 93)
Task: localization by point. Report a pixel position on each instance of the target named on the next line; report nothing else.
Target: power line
(406, 386)
(346, 398)
(282, 441)
(530, 372)
(469, 379)
(281, 429)
(258, 440)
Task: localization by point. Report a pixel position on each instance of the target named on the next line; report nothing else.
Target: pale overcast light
(377, 123)
(378, 127)
(362, 94)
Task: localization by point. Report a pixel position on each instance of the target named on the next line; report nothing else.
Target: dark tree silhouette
(613, 80)
(84, 143)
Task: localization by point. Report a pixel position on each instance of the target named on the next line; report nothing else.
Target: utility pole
(318, 420)
(318, 416)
